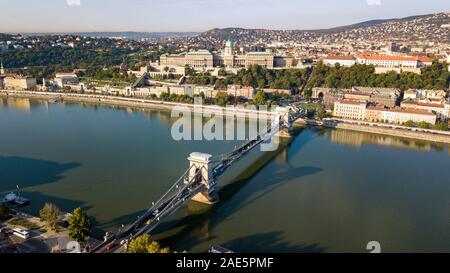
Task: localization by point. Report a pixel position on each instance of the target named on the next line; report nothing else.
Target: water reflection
(359, 139)
(19, 103)
(312, 195)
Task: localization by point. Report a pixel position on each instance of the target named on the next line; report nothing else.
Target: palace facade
(206, 60)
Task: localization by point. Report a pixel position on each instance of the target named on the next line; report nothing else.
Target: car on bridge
(110, 246)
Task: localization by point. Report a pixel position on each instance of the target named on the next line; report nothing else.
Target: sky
(200, 15)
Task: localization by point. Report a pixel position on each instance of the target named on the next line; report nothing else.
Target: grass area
(103, 82)
(314, 110)
(23, 223)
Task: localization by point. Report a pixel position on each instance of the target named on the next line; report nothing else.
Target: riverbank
(136, 103)
(382, 129)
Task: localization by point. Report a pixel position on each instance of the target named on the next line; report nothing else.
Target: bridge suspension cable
(190, 184)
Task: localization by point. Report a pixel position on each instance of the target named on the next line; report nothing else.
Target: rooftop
(340, 58)
(256, 53)
(401, 110)
(352, 102)
(394, 58)
(65, 74)
(200, 52)
(18, 77)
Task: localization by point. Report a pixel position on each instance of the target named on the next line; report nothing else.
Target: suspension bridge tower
(285, 129)
(201, 168)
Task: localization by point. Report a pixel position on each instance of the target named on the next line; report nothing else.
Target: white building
(341, 60)
(399, 115)
(422, 94)
(350, 109)
(62, 79)
(394, 61)
(442, 110)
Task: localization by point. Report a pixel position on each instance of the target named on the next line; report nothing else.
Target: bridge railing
(224, 161)
(185, 189)
(175, 186)
(173, 201)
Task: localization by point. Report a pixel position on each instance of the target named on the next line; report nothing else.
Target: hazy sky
(200, 15)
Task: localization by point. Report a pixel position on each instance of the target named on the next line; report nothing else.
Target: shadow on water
(38, 201)
(27, 172)
(270, 242)
(194, 228)
(114, 224)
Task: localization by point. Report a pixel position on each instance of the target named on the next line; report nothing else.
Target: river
(325, 191)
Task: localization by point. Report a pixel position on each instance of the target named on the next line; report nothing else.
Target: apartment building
(398, 115)
(385, 96)
(341, 60)
(421, 94)
(350, 109)
(246, 92)
(66, 78)
(361, 110)
(394, 61)
(439, 108)
(19, 82)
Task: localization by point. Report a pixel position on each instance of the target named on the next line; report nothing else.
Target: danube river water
(325, 191)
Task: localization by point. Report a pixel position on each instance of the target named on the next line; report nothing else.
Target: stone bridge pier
(201, 161)
(283, 113)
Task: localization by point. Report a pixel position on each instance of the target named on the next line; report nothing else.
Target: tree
(221, 99)
(4, 212)
(79, 225)
(424, 125)
(321, 113)
(222, 72)
(49, 214)
(260, 98)
(409, 123)
(145, 244)
(442, 126)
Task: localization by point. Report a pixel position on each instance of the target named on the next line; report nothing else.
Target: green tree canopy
(424, 125)
(222, 99)
(145, 244)
(442, 126)
(255, 76)
(79, 225)
(409, 123)
(260, 98)
(50, 213)
(435, 77)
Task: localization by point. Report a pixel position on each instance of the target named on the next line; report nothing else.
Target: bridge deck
(185, 189)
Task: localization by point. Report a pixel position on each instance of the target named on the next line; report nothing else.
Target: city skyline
(201, 15)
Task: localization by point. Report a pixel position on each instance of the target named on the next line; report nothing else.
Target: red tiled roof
(387, 58)
(340, 58)
(352, 101)
(401, 110)
(425, 59)
(431, 104)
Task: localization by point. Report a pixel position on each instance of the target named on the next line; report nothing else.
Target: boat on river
(15, 199)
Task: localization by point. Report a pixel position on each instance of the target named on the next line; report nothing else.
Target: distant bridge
(198, 182)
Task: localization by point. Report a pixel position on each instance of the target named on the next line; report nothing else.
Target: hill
(432, 27)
